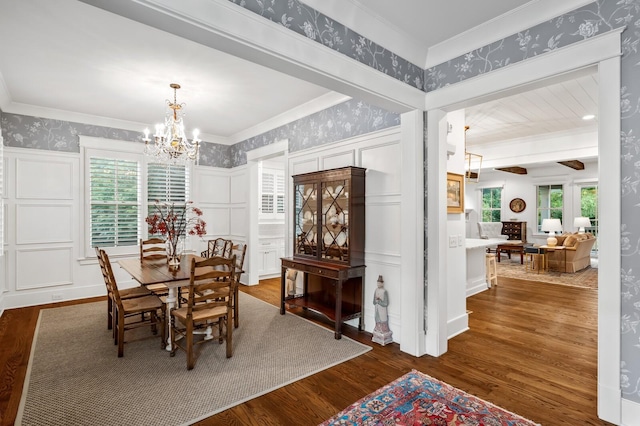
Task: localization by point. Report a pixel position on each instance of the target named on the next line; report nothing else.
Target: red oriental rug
(417, 399)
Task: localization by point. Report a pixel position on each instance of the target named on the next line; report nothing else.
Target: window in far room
(491, 204)
(549, 204)
(271, 193)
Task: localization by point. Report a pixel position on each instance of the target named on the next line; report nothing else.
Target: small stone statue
(381, 332)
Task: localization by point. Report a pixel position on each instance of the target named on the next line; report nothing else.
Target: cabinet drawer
(312, 269)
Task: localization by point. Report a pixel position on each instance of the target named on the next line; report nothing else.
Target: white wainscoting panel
(46, 267)
(217, 220)
(304, 166)
(383, 228)
(238, 222)
(239, 188)
(5, 173)
(44, 179)
(382, 163)
(339, 159)
(43, 223)
(212, 188)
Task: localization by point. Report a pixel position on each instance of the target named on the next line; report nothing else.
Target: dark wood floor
(531, 349)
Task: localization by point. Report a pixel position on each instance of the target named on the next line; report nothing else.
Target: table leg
(171, 303)
(521, 256)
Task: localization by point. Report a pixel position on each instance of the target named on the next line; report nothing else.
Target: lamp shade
(551, 226)
(581, 223)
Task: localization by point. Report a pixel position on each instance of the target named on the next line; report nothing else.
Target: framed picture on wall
(455, 193)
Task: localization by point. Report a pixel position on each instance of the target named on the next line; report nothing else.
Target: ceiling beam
(517, 170)
(574, 164)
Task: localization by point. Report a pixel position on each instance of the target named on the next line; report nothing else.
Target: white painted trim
(436, 342)
(457, 325)
(510, 79)
(357, 17)
(513, 22)
(630, 413)
(229, 28)
(106, 144)
(254, 157)
(605, 52)
(316, 105)
(412, 340)
(609, 288)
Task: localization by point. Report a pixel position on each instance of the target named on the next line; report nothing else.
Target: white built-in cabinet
(271, 250)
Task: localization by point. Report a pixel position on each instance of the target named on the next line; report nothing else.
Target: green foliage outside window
(491, 204)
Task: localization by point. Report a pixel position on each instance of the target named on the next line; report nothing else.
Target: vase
(174, 248)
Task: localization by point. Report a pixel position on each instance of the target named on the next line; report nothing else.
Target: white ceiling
(67, 58)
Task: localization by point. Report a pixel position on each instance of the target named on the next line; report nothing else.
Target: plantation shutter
(268, 186)
(115, 203)
(280, 193)
(167, 183)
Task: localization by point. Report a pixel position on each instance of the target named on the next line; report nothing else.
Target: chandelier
(170, 144)
(472, 161)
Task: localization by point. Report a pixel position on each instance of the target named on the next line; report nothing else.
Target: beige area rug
(76, 378)
(586, 278)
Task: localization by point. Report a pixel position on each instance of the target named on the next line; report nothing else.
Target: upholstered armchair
(488, 230)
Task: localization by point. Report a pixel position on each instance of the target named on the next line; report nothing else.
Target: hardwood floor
(531, 349)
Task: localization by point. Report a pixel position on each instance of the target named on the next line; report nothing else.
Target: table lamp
(552, 226)
(581, 223)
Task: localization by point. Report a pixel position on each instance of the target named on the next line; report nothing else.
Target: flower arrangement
(175, 221)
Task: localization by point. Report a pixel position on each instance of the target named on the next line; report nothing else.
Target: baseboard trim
(630, 415)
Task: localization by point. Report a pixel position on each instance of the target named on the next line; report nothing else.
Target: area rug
(417, 399)
(75, 377)
(585, 278)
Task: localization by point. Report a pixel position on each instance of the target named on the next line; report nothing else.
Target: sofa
(577, 249)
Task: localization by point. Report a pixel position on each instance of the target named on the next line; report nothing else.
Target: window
(589, 208)
(549, 203)
(114, 202)
(272, 193)
(491, 204)
(167, 183)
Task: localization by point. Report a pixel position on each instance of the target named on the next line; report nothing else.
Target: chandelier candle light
(170, 142)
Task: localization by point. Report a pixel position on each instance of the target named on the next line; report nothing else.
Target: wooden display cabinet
(328, 246)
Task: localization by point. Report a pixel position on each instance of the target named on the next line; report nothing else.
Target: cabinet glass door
(306, 219)
(334, 238)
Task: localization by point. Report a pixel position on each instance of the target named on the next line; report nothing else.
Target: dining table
(158, 271)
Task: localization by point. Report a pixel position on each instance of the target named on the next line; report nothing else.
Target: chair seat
(201, 315)
(129, 293)
(140, 304)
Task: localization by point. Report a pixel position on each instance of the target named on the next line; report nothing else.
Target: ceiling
(69, 59)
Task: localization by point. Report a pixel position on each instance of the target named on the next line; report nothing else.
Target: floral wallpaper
(354, 117)
(23, 131)
(342, 121)
(588, 21)
(320, 28)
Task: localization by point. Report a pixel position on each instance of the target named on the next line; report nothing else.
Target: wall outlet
(56, 296)
(452, 241)
(460, 241)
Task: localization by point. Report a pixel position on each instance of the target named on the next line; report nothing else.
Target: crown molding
(357, 17)
(510, 23)
(316, 105)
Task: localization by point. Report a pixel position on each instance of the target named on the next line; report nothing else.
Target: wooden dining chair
(209, 303)
(154, 249)
(218, 247)
(128, 293)
(135, 312)
(239, 251)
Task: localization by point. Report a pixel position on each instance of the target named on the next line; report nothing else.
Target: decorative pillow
(571, 240)
(561, 238)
